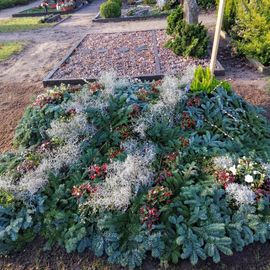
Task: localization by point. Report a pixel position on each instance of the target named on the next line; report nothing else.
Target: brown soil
(253, 257)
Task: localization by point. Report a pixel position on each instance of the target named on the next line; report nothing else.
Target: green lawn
(9, 48)
(21, 24)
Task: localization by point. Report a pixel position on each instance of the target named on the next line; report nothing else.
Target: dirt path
(21, 76)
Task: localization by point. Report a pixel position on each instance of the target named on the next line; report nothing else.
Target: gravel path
(133, 54)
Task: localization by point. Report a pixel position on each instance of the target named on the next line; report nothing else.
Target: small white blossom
(249, 178)
(233, 170)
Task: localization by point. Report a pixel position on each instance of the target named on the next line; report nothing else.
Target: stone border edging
(99, 19)
(49, 81)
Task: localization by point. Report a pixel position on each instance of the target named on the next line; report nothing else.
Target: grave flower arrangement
(130, 168)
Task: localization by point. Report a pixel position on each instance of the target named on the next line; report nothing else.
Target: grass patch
(9, 48)
(12, 3)
(21, 24)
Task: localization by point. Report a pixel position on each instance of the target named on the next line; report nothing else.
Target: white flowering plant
(125, 168)
(244, 172)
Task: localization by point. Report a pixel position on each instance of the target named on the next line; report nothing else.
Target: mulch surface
(33, 257)
(14, 97)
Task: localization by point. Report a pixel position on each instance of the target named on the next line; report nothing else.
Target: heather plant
(130, 169)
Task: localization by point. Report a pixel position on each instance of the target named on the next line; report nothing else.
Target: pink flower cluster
(187, 122)
(45, 99)
(26, 166)
(96, 171)
(225, 177)
(155, 199)
(79, 191)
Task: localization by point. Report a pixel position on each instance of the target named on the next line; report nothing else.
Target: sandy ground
(21, 76)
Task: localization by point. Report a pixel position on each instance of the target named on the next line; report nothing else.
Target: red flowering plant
(115, 153)
(225, 177)
(95, 87)
(97, 172)
(31, 161)
(84, 189)
(187, 121)
(169, 162)
(184, 141)
(124, 131)
(136, 110)
(194, 101)
(142, 94)
(149, 94)
(156, 198)
(50, 97)
(155, 87)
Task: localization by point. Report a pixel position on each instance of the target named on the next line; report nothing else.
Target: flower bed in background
(135, 10)
(67, 8)
(173, 169)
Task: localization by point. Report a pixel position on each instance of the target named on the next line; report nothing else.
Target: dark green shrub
(110, 10)
(119, 2)
(150, 2)
(171, 4)
(189, 40)
(176, 16)
(205, 4)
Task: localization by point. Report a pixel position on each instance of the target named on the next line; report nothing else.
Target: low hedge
(12, 3)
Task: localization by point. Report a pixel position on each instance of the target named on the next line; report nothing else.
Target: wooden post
(217, 36)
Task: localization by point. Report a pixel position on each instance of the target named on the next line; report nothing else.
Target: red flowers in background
(96, 171)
